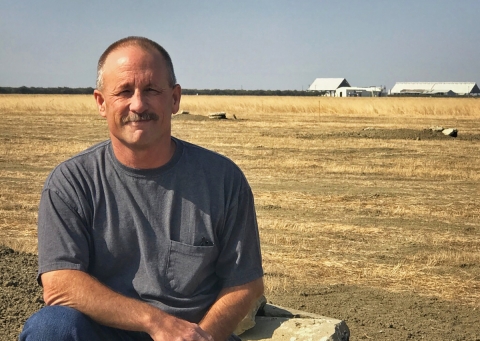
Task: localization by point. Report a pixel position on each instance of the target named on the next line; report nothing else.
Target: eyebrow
(122, 86)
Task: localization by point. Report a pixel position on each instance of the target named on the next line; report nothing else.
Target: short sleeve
(240, 259)
(63, 240)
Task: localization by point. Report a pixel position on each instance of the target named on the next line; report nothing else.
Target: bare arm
(230, 308)
(80, 291)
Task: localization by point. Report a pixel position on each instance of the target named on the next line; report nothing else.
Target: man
(144, 236)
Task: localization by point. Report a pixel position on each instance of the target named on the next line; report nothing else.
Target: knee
(55, 323)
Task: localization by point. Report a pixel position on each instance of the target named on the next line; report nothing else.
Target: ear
(176, 95)
(100, 100)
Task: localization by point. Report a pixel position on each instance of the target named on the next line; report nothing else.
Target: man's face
(136, 98)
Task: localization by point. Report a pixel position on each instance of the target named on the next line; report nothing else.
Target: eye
(124, 92)
(152, 91)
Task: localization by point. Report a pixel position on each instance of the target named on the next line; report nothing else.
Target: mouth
(143, 117)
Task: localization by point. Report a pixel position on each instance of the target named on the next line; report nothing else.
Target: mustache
(136, 117)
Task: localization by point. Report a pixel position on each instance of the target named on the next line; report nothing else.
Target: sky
(250, 45)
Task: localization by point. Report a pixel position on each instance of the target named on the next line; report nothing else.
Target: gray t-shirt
(173, 236)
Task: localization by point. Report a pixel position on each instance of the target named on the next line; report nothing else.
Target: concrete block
(450, 132)
(283, 324)
(218, 116)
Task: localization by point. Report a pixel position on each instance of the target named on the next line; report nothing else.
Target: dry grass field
(349, 191)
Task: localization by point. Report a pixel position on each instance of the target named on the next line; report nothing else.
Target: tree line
(217, 92)
(46, 91)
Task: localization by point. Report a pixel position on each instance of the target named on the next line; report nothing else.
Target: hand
(175, 329)
(83, 292)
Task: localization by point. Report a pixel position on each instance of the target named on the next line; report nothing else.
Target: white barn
(328, 85)
(435, 88)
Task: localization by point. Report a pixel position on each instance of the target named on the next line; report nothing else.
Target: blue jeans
(61, 323)
(64, 323)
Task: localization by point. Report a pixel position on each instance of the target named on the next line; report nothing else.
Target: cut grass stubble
(387, 213)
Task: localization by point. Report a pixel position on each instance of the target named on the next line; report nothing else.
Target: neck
(144, 158)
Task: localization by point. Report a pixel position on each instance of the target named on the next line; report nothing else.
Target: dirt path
(370, 314)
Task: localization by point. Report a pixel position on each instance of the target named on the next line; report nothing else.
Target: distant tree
(209, 92)
(47, 91)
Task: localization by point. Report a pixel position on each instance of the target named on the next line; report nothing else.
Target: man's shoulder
(87, 156)
(205, 155)
(208, 160)
(82, 163)
(98, 148)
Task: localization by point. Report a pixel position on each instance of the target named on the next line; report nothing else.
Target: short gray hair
(142, 42)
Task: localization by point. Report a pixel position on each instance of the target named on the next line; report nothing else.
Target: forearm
(84, 293)
(230, 308)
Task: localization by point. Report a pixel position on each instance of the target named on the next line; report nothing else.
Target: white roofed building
(371, 91)
(328, 85)
(435, 88)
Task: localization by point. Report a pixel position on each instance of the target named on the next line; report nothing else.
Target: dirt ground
(19, 292)
(369, 313)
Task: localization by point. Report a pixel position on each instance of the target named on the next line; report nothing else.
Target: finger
(205, 336)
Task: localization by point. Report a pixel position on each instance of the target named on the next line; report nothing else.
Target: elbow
(48, 291)
(47, 298)
(258, 288)
(50, 297)
(54, 290)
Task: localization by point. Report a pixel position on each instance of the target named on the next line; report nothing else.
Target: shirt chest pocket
(188, 266)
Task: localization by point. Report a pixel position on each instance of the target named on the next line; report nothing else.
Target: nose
(138, 102)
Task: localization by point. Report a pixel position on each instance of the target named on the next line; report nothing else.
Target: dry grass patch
(336, 203)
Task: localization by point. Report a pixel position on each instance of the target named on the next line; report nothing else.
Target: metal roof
(327, 84)
(461, 88)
